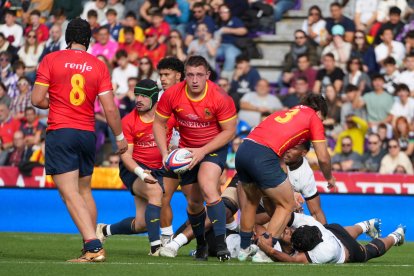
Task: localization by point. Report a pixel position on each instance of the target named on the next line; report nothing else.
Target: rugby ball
(178, 161)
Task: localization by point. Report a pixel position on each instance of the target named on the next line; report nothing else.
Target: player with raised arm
(258, 163)
(207, 121)
(68, 82)
(141, 169)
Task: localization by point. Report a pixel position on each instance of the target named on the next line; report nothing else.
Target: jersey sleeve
(105, 83)
(164, 107)
(316, 129)
(226, 109)
(127, 130)
(309, 189)
(43, 72)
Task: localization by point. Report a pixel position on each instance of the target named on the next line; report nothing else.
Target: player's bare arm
(39, 96)
(265, 244)
(160, 135)
(132, 166)
(324, 161)
(223, 138)
(314, 206)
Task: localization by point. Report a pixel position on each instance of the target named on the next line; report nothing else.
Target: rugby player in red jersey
(207, 120)
(141, 169)
(68, 83)
(258, 164)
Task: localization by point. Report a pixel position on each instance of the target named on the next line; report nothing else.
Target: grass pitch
(45, 254)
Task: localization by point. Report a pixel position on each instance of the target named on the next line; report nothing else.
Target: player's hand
(122, 146)
(332, 184)
(197, 154)
(299, 201)
(149, 178)
(265, 243)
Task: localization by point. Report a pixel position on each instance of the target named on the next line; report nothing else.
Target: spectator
(315, 26)
(152, 48)
(60, 18)
(224, 83)
(6, 46)
(175, 46)
(364, 51)
(43, 6)
(389, 48)
(245, 77)
(122, 73)
(146, 10)
(71, 9)
(253, 104)
(404, 136)
(334, 107)
(329, 74)
(31, 127)
(40, 29)
(384, 7)
(356, 128)
(365, 14)
(395, 24)
(384, 131)
(281, 7)
(395, 157)
(146, 69)
(409, 42)
(12, 31)
(23, 100)
(391, 75)
(371, 160)
(113, 160)
(55, 42)
(159, 26)
(378, 102)
(92, 18)
(301, 46)
(347, 160)
(99, 6)
(177, 14)
(8, 126)
(6, 70)
(229, 29)
(340, 49)
(337, 17)
(104, 45)
(356, 76)
(299, 90)
(304, 70)
(350, 105)
(131, 22)
(18, 71)
(106, 62)
(231, 155)
(30, 54)
(112, 24)
(38, 155)
(130, 45)
(403, 105)
(204, 45)
(19, 153)
(127, 102)
(118, 7)
(4, 98)
(407, 76)
(199, 16)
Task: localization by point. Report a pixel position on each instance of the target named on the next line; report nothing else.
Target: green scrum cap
(147, 88)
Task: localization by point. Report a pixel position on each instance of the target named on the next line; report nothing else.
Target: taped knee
(375, 248)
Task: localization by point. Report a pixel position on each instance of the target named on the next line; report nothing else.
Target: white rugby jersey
(330, 250)
(303, 180)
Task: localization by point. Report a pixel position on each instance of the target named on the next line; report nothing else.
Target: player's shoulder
(175, 90)
(216, 91)
(129, 118)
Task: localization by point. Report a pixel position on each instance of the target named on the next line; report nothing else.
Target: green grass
(45, 254)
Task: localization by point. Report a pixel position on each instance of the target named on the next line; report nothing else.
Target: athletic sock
(92, 245)
(167, 231)
(217, 214)
(197, 224)
(152, 219)
(396, 239)
(363, 225)
(178, 241)
(124, 227)
(181, 228)
(232, 225)
(245, 239)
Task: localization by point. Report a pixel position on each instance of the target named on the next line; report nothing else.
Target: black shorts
(189, 177)
(259, 164)
(70, 149)
(128, 178)
(356, 251)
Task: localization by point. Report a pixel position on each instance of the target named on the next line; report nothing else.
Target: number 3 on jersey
(77, 94)
(288, 116)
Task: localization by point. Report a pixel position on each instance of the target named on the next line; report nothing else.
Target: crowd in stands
(362, 64)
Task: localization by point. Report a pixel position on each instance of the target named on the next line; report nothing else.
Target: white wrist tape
(140, 172)
(120, 137)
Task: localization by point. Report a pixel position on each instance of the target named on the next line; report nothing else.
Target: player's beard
(142, 109)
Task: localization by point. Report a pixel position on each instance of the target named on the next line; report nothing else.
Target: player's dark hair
(195, 61)
(306, 238)
(78, 31)
(306, 145)
(172, 63)
(316, 102)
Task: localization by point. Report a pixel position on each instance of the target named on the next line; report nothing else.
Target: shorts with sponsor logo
(70, 149)
(128, 177)
(259, 164)
(189, 177)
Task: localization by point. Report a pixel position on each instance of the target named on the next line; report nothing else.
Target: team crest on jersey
(193, 117)
(207, 114)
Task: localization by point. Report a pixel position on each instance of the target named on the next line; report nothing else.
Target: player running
(207, 121)
(258, 163)
(68, 83)
(141, 169)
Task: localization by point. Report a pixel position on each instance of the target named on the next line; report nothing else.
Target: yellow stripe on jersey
(317, 141)
(42, 84)
(163, 116)
(229, 119)
(294, 137)
(202, 97)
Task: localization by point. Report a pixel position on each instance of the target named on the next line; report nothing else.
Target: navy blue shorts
(258, 164)
(128, 178)
(189, 177)
(70, 149)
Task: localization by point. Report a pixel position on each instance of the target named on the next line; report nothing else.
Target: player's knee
(375, 248)
(195, 206)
